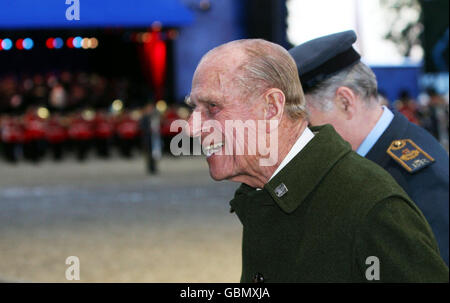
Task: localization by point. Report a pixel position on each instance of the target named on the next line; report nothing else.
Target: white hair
(359, 78)
(268, 65)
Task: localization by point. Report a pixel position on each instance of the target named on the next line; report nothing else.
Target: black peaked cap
(323, 57)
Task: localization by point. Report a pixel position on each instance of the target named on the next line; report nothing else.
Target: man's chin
(222, 167)
(216, 178)
(217, 175)
(218, 171)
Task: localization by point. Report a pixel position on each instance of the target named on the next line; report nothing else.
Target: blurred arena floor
(123, 225)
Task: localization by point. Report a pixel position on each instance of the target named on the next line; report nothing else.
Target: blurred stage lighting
(69, 42)
(50, 43)
(43, 113)
(28, 43)
(161, 106)
(85, 43)
(88, 115)
(77, 42)
(135, 115)
(58, 43)
(183, 113)
(93, 43)
(117, 105)
(6, 44)
(19, 44)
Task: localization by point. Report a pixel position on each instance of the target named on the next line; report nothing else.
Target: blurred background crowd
(80, 114)
(430, 111)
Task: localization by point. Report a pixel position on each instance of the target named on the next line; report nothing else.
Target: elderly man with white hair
(317, 211)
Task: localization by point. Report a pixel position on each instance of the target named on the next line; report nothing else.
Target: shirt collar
(376, 132)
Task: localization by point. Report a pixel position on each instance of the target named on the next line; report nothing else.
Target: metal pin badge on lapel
(280, 190)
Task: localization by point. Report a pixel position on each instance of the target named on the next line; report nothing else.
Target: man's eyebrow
(188, 101)
(202, 100)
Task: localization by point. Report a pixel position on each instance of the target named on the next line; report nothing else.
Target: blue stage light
(7, 44)
(58, 43)
(77, 42)
(28, 43)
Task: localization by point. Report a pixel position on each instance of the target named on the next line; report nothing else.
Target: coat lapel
(305, 171)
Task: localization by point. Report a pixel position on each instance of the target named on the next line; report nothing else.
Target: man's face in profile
(216, 98)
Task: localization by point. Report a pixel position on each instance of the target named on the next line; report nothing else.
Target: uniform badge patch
(409, 155)
(280, 190)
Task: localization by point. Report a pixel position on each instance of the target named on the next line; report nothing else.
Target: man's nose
(195, 124)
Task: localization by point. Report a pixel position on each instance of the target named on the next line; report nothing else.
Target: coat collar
(304, 172)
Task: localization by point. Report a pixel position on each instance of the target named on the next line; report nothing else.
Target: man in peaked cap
(342, 91)
(314, 211)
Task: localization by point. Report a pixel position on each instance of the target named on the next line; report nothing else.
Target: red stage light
(155, 58)
(49, 43)
(69, 42)
(19, 44)
(1, 44)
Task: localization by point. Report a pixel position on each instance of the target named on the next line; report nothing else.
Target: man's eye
(213, 108)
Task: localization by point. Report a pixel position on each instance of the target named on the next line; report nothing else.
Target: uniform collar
(305, 171)
(376, 132)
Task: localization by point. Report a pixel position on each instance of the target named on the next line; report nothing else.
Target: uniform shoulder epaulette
(410, 156)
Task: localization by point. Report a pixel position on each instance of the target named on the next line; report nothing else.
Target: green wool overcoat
(331, 215)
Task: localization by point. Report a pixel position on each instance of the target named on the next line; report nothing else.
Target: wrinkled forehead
(209, 74)
(216, 72)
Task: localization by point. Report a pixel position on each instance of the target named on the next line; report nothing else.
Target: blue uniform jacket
(427, 187)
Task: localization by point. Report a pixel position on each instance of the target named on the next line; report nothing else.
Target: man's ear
(275, 101)
(274, 108)
(345, 101)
